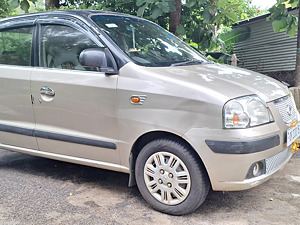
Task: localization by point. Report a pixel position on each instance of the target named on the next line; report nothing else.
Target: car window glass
(146, 43)
(15, 46)
(61, 46)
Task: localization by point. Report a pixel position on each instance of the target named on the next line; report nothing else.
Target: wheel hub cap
(167, 178)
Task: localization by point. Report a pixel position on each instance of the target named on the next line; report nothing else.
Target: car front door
(75, 107)
(16, 113)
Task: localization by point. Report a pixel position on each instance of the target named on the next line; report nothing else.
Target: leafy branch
(282, 19)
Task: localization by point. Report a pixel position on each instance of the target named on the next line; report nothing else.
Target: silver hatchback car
(118, 92)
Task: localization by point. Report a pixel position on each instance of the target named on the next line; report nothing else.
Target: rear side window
(15, 46)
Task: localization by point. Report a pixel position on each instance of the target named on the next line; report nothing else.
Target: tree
(51, 4)
(23, 4)
(283, 21)
(175, 17)
(198, 20)
(6, 10)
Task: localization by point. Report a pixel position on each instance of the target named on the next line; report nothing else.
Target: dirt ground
(35, 190)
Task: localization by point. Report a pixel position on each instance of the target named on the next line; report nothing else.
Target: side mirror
(99, 58)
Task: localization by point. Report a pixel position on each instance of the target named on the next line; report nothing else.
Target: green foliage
(230, 37)
(128, 7)
(14, 3)
(200, 19)
(213, 14)
(221, 61)
(6, 10)
(282, 19)
(23, 4)
(155, 8)
(235, 35)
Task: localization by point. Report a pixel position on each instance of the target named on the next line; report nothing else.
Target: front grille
(286, 108)
(275, 161)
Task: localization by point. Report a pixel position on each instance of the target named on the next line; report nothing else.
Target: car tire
(170, 177)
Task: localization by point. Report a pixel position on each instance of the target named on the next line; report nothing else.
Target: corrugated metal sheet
(266, 51)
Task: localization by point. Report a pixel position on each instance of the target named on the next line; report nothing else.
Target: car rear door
(16, 112)
(75, 107)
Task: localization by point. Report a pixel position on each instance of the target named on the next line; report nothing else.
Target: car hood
(228, 80)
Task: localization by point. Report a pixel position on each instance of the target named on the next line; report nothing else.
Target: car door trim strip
(16, 130)
(57, 136)
(73, 139)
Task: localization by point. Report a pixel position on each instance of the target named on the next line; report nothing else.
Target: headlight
(245, 112)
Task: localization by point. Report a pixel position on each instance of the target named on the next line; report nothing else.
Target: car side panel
(81, 119)
(16, 113)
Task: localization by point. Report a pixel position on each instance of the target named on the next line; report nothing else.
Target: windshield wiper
(186, 63)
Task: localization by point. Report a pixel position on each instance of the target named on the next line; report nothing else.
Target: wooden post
(297, 70)
(233, 60)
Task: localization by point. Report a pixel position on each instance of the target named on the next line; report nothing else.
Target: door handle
(47, 91)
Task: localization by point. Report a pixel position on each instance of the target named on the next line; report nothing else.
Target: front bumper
(228, 167)
(273, 164)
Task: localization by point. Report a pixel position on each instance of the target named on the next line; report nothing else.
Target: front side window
(15, 46)
(61, 46)
(146, 43)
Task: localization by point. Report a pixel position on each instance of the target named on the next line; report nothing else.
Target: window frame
(69, 22)
(22, 24)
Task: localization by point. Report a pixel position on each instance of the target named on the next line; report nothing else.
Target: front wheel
(170, 178)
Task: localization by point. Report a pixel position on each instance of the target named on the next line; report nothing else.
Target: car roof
(84, 14)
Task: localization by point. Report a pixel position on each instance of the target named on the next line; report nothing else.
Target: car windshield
(146, 43)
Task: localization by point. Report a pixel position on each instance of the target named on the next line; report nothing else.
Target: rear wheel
(170, 178)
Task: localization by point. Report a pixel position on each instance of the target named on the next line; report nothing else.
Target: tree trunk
(51, 4)
(175, 18)
(297, 72)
